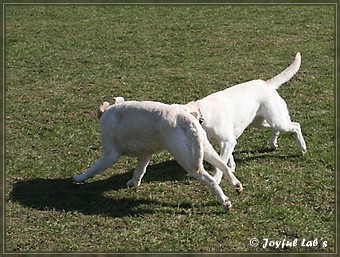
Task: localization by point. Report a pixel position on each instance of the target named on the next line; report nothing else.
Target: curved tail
(287, 74)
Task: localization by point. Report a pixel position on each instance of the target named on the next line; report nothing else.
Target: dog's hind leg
(195, 169)
(261, 123)
(106, 161)
(139, 171)
(273, 139)
(277, 115)
(208, 180)
(285, 124)
(295, 127)
(188, 152)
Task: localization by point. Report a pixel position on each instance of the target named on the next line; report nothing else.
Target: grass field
(63, 61)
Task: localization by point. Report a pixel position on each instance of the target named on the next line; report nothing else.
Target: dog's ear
(190, 108)
(193, 109)
(195, 114)
(102, 108)
(118, 100)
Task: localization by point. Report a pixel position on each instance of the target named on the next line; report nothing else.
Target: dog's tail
(287, 74)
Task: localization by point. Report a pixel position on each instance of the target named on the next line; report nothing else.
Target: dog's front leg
(139, 171)
(212, 157)
(226, 155)
(103, 163)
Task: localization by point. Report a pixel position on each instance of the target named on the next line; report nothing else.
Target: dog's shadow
(243, 156)
(89, 198)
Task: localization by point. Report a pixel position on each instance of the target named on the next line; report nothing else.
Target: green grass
(63, 61)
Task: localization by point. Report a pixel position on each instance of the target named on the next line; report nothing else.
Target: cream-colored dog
(226, 114)
(139, 129)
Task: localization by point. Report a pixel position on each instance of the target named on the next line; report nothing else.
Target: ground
(63, 61)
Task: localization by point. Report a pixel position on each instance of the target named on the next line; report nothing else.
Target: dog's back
(143, 128)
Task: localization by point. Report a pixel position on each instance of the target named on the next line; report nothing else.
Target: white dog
(226, 114)
(139, 129)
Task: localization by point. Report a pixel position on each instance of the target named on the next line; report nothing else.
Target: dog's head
(101, 109)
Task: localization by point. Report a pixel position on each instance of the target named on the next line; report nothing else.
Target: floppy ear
(118, 100)
(193, 109)
(195, 114)
(102, 108)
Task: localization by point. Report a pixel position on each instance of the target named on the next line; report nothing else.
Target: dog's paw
(78, 178)
(238, 187)
(132, 183)
(274, 147)
(227, 204)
